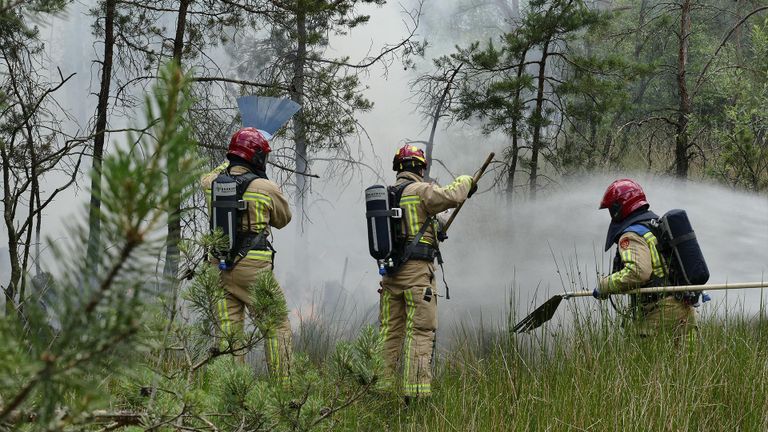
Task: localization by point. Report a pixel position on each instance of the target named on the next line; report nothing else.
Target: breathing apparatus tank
(224, 213)
(379, 215)
(686, 261)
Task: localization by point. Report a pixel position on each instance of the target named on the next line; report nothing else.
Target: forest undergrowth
(582, 374)
(588, 375)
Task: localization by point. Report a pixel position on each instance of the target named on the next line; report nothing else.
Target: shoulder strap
(243, 181)
(397, 191)
(653, 225)
(638, 228)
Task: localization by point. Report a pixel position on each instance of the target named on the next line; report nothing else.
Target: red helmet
(623, 197)
(409, 155)
(249, 144)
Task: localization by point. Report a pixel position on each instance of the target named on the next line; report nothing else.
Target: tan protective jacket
(267, 207)
(641, 263)
(421, 200)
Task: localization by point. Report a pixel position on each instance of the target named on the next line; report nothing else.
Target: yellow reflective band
(656, 262)
(629, 266)
(261, 204)
(458, 182)
(412, 218)
(226, 324)
(262, 255)
(255, 196)
(410, 308)
(258, 205)
(410, 199)
(409, 204)
(418, 388)
(274, 354)
(208, 198)
(385, 314)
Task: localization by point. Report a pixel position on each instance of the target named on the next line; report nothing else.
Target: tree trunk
(33, 193)
(515, 131)
(510, 192)
(538, 121)
(297, 95)
(171, 267)
(436, 119)
(431, 141)
(681, 129)
(13, 244)
(94, 213)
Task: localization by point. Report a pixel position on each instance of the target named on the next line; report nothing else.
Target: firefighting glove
(472, 190)
(598, 295)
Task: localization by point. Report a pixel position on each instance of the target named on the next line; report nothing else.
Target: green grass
(593, 378)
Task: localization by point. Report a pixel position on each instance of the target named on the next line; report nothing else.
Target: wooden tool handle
(475, 179)
(679, 288)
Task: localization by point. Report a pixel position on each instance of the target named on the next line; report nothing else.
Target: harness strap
(235, 205)
(396, 213)
(442, 271)
(409, 249)
(683, 238)
(397, 191)
(238, 253)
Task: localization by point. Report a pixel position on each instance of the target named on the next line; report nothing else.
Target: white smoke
(493, 250)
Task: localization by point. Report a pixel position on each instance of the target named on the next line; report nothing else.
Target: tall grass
(591, 376)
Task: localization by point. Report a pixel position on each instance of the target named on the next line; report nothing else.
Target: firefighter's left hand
(472, 190)
(598, 295)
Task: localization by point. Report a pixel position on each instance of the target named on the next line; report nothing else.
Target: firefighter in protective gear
(266, 207)
(638, 264)
(408, 301)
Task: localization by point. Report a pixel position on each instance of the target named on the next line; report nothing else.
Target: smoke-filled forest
(204, 227)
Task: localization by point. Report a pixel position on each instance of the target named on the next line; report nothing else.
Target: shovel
(546, 311)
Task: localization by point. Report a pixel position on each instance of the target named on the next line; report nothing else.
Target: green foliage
(361, 360)
(100, 314)
(230, 394)
(268, 299)
(742, 126)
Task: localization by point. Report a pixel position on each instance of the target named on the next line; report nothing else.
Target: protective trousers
(408, 316)
(231, 311)
(667, 316)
